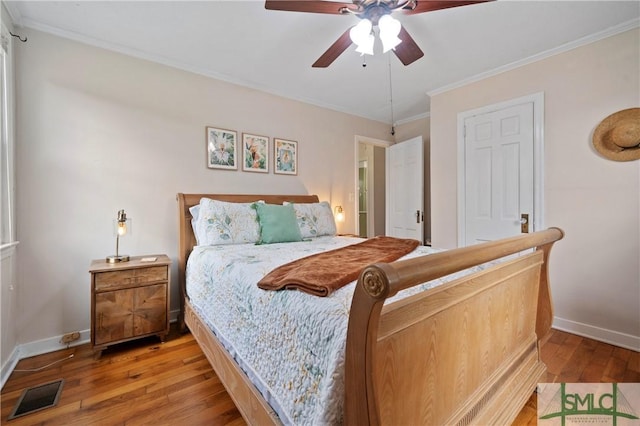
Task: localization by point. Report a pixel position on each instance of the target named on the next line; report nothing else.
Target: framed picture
(286, 157)
(222, 146)
(256, 153)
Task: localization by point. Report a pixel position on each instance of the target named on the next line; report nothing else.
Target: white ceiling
(241, 42)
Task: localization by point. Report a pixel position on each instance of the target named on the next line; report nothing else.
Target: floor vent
(37, 398)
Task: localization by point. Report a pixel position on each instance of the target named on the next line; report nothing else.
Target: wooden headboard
(187, 239)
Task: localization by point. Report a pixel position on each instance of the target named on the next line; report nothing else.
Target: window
(7, 231)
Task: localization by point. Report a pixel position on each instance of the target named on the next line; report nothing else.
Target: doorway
(370, 201)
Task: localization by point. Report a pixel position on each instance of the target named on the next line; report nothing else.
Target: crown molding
(414, 118)
(592, 38)
(80, 38)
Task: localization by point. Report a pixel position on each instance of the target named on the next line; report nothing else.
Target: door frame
(538, 158)
(354, 195)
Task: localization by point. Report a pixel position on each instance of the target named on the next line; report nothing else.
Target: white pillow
(314, 219)
(195, 211)
(221, 222)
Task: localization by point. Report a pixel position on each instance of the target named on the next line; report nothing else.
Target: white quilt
(290, 344)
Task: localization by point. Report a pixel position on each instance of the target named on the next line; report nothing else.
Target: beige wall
(595, 270)
(100, 131)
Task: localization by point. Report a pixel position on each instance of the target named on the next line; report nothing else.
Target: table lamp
(122, 226)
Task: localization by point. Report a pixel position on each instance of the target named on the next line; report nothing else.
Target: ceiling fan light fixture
(389, 30)
(361, 31)
(370, 12)
(366, 47)
(389, 43)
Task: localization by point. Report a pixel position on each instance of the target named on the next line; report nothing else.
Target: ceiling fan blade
(431, 5)
(313, 6)
(407, 51)
(336, 49)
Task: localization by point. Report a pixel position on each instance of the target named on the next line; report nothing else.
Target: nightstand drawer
(132, 277)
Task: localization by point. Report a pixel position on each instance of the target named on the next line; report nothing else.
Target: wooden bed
(466, 352)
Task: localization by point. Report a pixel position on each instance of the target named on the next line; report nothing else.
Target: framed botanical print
(256, 153)
(285, 157)
(222, 146)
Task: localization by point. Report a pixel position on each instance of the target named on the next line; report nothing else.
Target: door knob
(524, 223)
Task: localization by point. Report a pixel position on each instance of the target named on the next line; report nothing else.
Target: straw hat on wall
(617, 137)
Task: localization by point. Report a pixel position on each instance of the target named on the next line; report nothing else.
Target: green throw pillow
(278, 224)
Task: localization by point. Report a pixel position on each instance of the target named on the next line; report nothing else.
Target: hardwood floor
(574, 359)
(137, 383)
(146, 382)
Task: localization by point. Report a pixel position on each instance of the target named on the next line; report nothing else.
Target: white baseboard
(8, 366)
(616, 338)
(51, 344)
(173, 315)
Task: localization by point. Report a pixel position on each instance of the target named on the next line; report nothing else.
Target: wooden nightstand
(129, 300)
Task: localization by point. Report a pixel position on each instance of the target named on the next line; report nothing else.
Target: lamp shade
(366, 47)
(361, 35)
(389, 30)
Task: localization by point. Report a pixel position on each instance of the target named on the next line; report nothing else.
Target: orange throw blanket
(323, 273)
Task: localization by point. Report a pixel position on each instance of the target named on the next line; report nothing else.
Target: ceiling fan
(372, 10)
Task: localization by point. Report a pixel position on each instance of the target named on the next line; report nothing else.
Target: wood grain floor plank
(573, 359)
(145, 382)
(631, 376)
(578, 362)
(134, 385)
(621, 353)
(602, 353)
(569, 346)
(592, 373)
(633, 363)
(615, 369)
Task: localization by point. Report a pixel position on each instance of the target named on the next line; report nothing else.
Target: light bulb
(122, 223)
(122, 228)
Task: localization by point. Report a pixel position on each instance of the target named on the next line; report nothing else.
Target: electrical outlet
(70, 337)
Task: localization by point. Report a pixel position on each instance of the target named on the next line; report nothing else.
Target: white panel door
(405, 189)
(499, 170)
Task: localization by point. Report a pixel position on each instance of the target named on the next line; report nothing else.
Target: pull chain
(393, 130)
